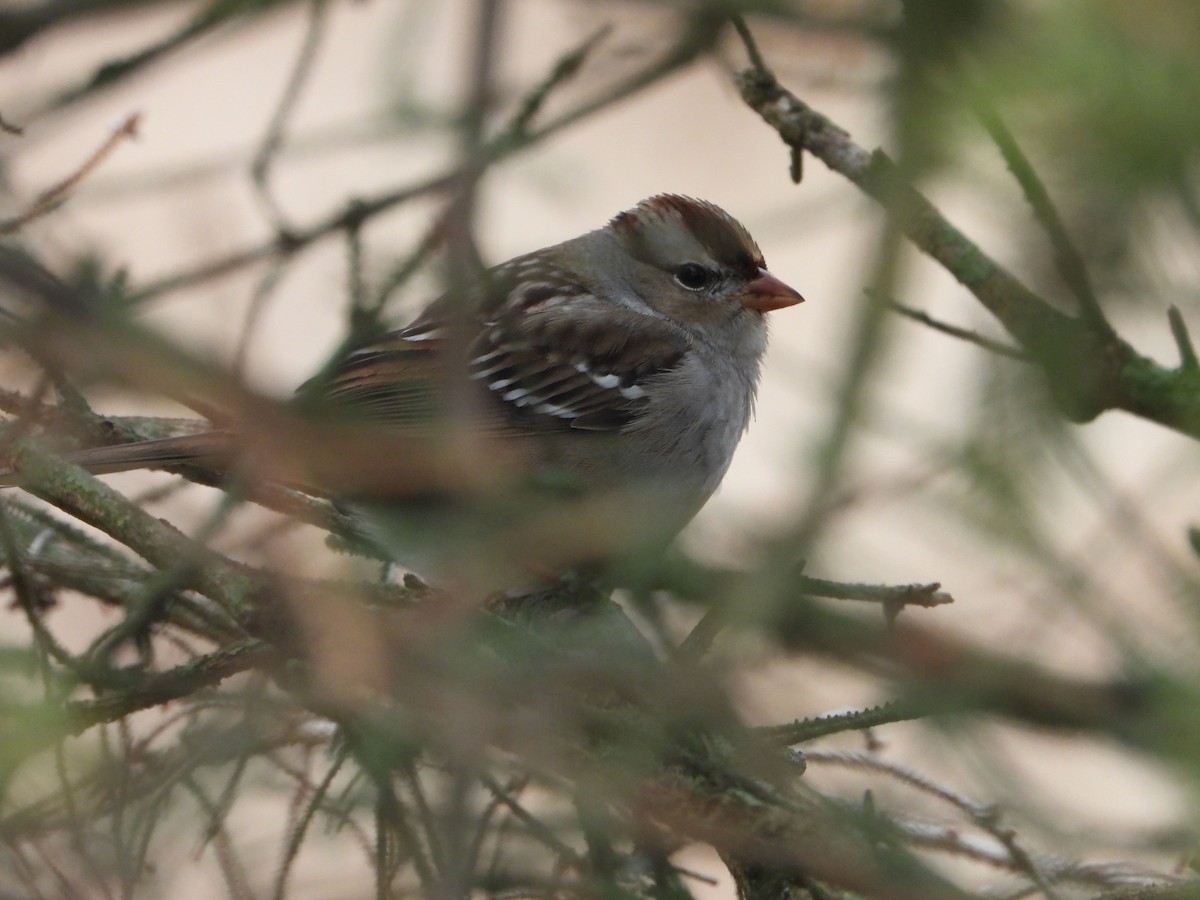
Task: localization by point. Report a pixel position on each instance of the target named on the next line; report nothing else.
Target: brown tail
(209, 450)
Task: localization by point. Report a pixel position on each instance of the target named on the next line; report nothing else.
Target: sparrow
(621, 364)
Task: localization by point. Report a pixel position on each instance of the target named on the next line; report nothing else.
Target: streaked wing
(397, 380)
(550, 356)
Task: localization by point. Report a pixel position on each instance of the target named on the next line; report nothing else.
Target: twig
(1187, 351)
(513, 133)
(985, 816)
(1147, 886)
(69, 558)
(156, 595)
(298, 832)
(95, 503)
(399, 275)
(508, 143)
(565, 69)
(757, 60)
(1089, 369)
(483, 822)
(895, 595)
(55, 195)
(804, 730)
(538, 830)
(210, 16)
(700, 639)
(356, 279)
(113, 788)
(802, 840)
(254, 310)
(391, 827)
(965, 334)
(264, 159)
(1067, 257)
(292, 503)
(43, 726)
(233, 870)
(871, 762)
(464, 261)
(428, 821)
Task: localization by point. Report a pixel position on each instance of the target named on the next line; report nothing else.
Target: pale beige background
(690, 135)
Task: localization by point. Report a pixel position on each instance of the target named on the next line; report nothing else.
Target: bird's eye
(693, 276)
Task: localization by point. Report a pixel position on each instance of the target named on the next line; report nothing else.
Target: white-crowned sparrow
(625, 358)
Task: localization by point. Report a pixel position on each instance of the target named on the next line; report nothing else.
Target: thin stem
(803, 730)
(264, 159)
(508, 142)
(56, 195)
(1067, 258)
(296, 837)
(1187, 350)
(964, 334)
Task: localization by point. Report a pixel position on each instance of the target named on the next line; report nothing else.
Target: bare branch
(272, 142)
(57, 194)
(508, 142)
(890, 595)
(1187, 350)
(965, 334)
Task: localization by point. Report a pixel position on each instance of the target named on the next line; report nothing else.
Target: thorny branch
(986, 817)
(144, 692)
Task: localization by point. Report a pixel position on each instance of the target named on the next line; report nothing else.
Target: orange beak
(766, 292)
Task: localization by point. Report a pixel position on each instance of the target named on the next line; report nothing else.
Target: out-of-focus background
(1065, 545)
